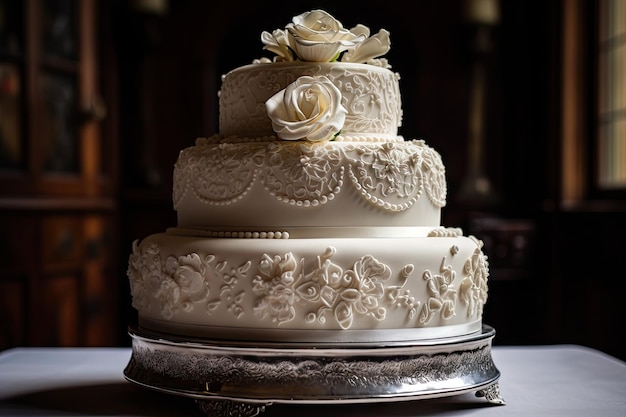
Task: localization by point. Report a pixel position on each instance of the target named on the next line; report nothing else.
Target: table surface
(557, 380)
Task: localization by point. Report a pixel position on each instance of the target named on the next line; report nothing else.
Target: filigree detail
(473, 288)
(367, 100)
(391, 175)
(236, 371)
(492, 394)
(232, 172)
(274, 286)
(370, 94)
(230, 278)
(401, 297)
(227, 408)
(433, 170)
(180, 283)
(303, 174)
(333, 293)
(386, 175)
(443, 296)
(175, 282)
(244, 374)
(285, 288)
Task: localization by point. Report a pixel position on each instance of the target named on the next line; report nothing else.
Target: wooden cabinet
(58, 211)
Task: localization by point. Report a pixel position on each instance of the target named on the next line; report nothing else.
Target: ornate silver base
(242, 379)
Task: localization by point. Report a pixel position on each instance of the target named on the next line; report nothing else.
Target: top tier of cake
(369, 94)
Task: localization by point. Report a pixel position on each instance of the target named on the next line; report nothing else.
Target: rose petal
(370, 48)
(278, 43)
(318, 52)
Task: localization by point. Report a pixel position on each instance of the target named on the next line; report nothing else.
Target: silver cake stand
(234, 378)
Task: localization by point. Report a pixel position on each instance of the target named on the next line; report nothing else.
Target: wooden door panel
(56, 319)
(12, 311)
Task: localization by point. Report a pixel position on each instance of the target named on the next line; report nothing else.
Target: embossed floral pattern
(232, 172)
(387, 176)
(173, 283)
(136, 272)
(339, 294)
(305, 174)
(188, 273)
(282, 288)
(397, 172)
(443, 296)
(180, 283)
(274, 286)
(474, 285)
(392, 176)
(434, 176)
(371, 97)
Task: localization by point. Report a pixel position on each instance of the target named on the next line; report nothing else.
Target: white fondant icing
(325, 241)
(299, 183)
(319, 284)
(370, 95)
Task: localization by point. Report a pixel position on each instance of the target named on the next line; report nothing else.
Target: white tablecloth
(562, 380)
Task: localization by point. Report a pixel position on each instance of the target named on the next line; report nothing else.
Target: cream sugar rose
(308, 218)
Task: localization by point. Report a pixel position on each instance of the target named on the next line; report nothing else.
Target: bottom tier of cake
(325, 290)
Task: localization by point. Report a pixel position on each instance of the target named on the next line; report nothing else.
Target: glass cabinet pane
(10, 117)
(59, 124)
(612, 95)
(58, 28)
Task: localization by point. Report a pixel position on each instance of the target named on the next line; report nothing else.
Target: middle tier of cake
(231, 182)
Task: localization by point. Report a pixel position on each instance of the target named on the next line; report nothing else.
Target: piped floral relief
(443, 296)
(217, 174)
(370, 95)
(332, 292)
(174, 282)
(474, 289)
(281, 288)
(181, 283)
(392, 176)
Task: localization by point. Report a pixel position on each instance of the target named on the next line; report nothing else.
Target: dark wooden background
(556, 272)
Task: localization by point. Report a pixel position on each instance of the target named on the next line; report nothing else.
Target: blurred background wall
(523, 99)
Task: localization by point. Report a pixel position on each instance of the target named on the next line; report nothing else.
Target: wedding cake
(308, 218)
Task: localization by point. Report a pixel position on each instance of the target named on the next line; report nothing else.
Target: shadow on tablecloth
(124, 398)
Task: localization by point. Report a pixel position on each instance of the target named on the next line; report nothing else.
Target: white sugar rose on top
(318, 37)
(309, 108)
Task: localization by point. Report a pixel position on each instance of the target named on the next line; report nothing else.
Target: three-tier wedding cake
(307, 217)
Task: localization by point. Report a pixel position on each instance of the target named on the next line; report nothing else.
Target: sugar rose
(318, 37)
(309, 108)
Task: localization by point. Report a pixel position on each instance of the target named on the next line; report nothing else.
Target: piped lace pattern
(391, 175)
(370, 94)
